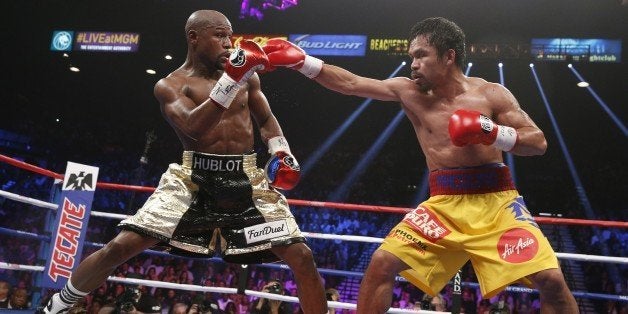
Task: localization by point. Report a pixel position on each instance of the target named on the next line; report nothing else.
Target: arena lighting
(599, 100)
(65, 55)
(151, 71)
(531, 65)
(583, 84)
(168, 57)
(340, 194)
(74, 69)
(582, 194)
(466, 72)
(321, 150)
(510, 160)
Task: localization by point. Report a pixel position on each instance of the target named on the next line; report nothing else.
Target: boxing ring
(293, 202)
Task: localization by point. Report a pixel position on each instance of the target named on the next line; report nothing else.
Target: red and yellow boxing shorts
(472, 214)
(213, 203)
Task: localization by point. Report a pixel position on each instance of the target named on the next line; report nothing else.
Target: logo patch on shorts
(265, 231)
(426, 223)
(517, 246)
(521, 212)
(406, 237)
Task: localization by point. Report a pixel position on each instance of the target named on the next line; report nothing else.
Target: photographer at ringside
(135, 301)
(267, 306)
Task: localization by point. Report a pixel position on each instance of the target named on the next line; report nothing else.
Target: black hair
(443, 34)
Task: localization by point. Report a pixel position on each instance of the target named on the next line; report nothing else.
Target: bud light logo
(61, 41)
(331, 45)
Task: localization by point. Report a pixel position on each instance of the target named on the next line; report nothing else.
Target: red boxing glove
(243, 62)
(472, 127)
(283, 53)
(282, 170)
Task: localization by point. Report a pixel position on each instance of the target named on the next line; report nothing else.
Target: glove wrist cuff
(311, 66)
(278, 144)
(224, 91)
(506, 138)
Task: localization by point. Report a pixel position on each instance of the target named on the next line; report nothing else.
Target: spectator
(266, 306)
(4, 294)
(332, 295)
(18, 300)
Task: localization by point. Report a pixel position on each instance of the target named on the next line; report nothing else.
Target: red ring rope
(343, 206)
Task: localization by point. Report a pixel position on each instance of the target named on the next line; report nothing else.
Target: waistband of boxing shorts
(218, 163)
(487, 178)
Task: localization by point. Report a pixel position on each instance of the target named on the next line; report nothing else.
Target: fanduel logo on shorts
(266, 231)
(331, 45)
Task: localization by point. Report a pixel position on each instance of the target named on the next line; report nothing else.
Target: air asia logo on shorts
(265, 231)
(521, 212)
(425, 222)
(517, 246)
(237, 58)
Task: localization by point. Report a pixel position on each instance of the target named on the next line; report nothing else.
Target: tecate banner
(331, 45)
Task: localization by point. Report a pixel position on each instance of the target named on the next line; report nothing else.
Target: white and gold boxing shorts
(211, 198)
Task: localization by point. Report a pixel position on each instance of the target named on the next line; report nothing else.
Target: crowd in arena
(119, 164)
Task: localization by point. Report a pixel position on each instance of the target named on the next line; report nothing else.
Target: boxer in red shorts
(463, 125)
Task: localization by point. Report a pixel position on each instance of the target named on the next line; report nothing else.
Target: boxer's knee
(298, 256)
(384, 265)
(550, 282)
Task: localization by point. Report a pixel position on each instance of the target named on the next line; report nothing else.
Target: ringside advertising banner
(389, 46)
(68, 236)
(106, 41)
(331, 45)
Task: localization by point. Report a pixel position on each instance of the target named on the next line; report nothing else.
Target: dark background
(111, 99)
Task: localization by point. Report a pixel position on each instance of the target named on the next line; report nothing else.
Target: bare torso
(430, 115)
(231, 134)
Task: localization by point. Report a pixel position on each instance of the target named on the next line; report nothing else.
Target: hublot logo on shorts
(265, 231)
(208, 164)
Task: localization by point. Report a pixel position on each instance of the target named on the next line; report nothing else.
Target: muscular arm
(530, 139)
(181, 112)
(260, 109)
(345, 82)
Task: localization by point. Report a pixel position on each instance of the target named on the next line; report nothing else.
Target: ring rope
(161, 284)
(342, 237)
(344, 206)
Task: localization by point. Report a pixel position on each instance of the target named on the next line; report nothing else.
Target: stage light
(500, 64)
(403, 63)
(168, 57)
(470, 64)
(531, 65)
(151, 71)
(74, 69)
(569, 65)
(321, 150)
(599, 100)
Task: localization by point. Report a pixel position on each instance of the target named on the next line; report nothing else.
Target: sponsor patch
(407, 237)
(265, 231)
(426, 223)
(517, 246)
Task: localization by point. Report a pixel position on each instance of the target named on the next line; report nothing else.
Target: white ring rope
(343, 237)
